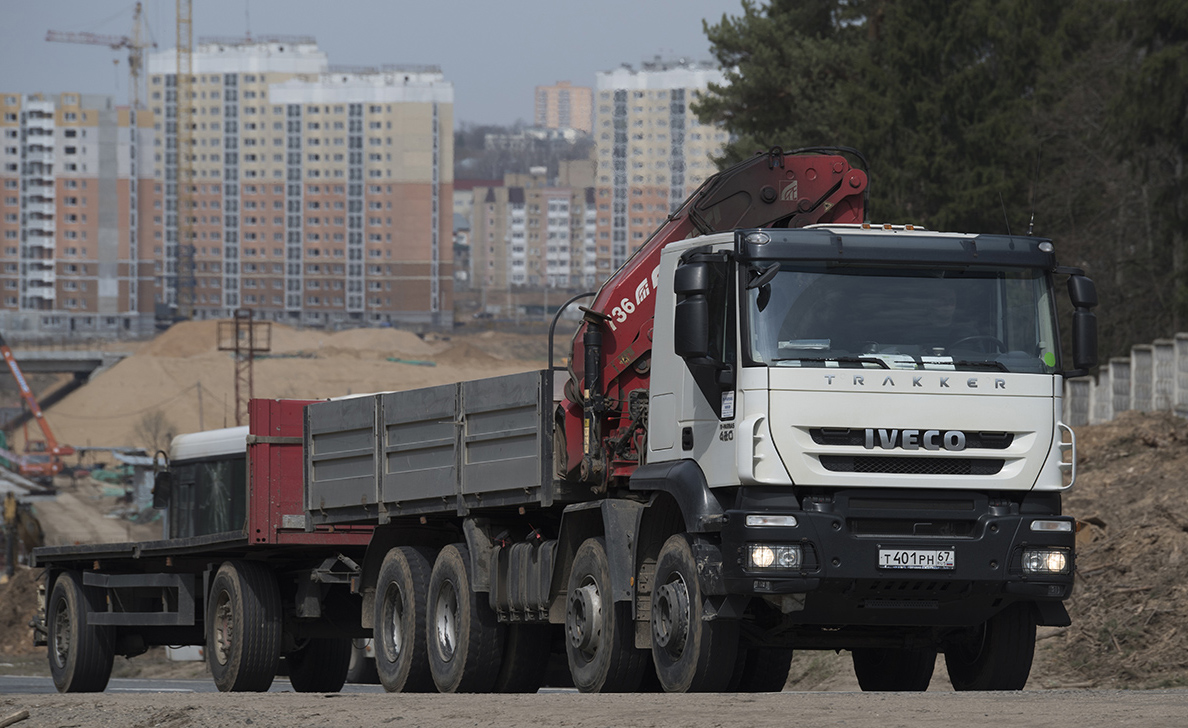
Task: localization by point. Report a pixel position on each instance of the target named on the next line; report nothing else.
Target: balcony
(41, 157)
(45, 209)
(41, 277)
(42, 225)
(43, 293)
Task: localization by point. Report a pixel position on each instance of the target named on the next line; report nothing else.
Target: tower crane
(135, 45)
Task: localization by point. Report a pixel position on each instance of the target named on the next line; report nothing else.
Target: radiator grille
(911, 465)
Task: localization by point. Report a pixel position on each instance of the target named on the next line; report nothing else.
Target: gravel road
(1048, 708)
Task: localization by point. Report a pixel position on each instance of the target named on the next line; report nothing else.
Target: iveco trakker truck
(780, 428)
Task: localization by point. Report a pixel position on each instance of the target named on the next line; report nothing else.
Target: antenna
(1004, 213)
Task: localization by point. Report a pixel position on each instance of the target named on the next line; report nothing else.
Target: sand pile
(180, 381)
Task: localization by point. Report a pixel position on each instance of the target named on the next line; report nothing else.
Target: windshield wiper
(839, 359)
(989, 364)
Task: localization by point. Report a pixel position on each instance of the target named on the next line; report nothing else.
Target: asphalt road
(175, 704)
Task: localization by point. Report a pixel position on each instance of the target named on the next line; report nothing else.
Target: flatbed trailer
(99, 600)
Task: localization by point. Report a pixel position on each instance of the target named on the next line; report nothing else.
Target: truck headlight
(1046, 561)
(773, 556)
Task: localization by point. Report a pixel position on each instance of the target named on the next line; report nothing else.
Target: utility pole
(185, 160)
(245, 338)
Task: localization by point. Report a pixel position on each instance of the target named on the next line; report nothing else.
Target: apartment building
(77, 200)
(564, 106)
(651, 149)
(537, 232)
(322, 195)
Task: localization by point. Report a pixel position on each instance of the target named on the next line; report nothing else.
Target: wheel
(691, 655)
(982, 341)
(401, 652)
(894, 669)
(525, 659)
(320, 665)
(465, 639)
(80, 655)
(997, 655)
(362, 670)
(243, 627)
(599, 632)
(761, 669)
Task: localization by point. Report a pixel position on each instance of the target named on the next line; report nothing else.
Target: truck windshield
(894, 318)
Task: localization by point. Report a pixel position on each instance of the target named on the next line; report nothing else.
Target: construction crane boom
(52, 449)
(134, 44)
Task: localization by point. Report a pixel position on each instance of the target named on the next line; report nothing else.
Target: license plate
(916, 558)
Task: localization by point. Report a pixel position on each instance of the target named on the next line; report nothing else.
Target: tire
(465, 640)
(691, 655)
(997, 655)
(599, 633)
(361, 670)
(894, 669)
(525, 659)
(401, 651)
(80, 655)
(761, 669)
(243, 627)
(320, 666)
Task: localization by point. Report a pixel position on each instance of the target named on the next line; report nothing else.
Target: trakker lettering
(889, 381)
(952, 440)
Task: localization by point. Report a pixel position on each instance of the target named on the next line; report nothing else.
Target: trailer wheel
(525, 658)
(465, 639)
(761, 670)
(243, 627)
(997, 655)
(320, 665)
(894, 669)
(600, 633)
(689, 653)
(80, 655)
(361, 670)
(401, 654)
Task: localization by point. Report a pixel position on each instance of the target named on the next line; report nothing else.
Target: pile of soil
(1130, 604)
(181, 382)
(18, 605)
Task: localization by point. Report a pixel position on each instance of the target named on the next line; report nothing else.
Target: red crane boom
(612, 347)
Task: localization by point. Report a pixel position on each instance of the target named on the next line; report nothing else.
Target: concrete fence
(1154, 378)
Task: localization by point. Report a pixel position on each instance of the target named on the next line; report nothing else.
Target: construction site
(1128, 607)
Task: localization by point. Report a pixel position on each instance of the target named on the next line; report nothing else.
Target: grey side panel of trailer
(445, 449)
(340, 456)
(420, 445)
(503, 440)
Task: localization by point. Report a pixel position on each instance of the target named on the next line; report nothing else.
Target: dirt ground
(1049, 709)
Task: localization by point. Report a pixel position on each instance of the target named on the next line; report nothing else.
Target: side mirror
(691, 318)
(690, 334)
(1083, 295)
(1084, 339)
(162, 489)
(1082, 292)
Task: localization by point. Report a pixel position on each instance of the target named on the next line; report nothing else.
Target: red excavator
(43, 458)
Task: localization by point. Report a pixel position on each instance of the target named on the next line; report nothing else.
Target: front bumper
(841, 536)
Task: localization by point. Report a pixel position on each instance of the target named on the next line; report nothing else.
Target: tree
(784, 63)
(154, 431)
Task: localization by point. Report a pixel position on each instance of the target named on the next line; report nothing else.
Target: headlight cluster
(773, 556)
(1046, 561)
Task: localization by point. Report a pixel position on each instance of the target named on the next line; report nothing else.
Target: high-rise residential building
(652, 150)
(535, 232)
(322, 195)
(564, 106)
(77, 200)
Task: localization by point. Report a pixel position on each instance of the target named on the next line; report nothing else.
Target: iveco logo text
(889, 381)
(953, 440)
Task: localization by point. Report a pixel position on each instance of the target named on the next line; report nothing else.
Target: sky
(494, 52)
